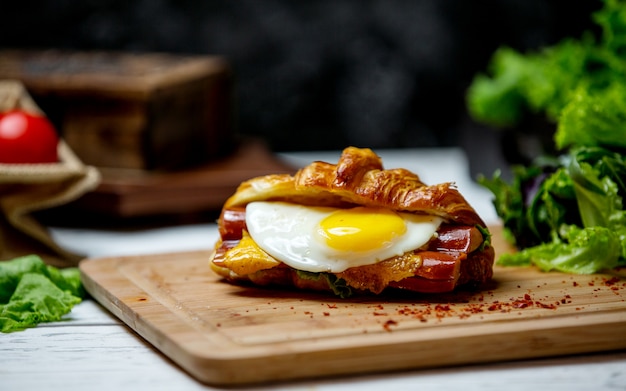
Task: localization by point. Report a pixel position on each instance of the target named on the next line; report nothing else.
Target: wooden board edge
(179, 352)
(533, 339)
(354, 362)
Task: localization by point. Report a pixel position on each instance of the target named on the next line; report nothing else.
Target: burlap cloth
(28, 188)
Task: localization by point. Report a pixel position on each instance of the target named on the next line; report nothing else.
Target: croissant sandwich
(352, 227)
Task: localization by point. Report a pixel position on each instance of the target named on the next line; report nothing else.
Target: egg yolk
(361, 229)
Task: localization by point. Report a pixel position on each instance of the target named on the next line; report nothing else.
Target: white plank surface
(92, 350)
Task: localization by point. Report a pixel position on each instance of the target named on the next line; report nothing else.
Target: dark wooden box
(149, 111)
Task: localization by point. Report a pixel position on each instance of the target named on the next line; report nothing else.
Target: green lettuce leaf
(498, 99)
(32, 292)
(518, 84)
(594, 118)
(577, 83)
(583, 251)
(583, 190)
(564, 212)
(337, 285)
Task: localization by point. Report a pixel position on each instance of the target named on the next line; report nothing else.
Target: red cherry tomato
(27, 138)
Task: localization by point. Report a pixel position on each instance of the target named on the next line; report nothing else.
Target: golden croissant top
(358, 178)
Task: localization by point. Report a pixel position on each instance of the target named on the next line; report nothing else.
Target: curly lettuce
(520, 84)
(545, 81)
(569, 215)
(564, 212)
(593, 119)
(32, 292)
(582, 251)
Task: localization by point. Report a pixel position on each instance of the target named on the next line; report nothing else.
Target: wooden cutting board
(225, 335)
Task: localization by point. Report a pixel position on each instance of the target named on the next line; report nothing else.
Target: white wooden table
(92, 350)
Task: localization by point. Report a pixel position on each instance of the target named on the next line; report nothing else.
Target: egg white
(287, 232)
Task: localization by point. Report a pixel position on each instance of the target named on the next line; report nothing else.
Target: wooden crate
(149, 111)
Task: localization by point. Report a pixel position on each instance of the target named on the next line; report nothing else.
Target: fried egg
(324, 239)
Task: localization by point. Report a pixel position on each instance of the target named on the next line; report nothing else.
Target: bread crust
(359, 179)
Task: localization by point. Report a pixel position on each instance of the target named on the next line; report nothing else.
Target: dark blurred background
(323, 74)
